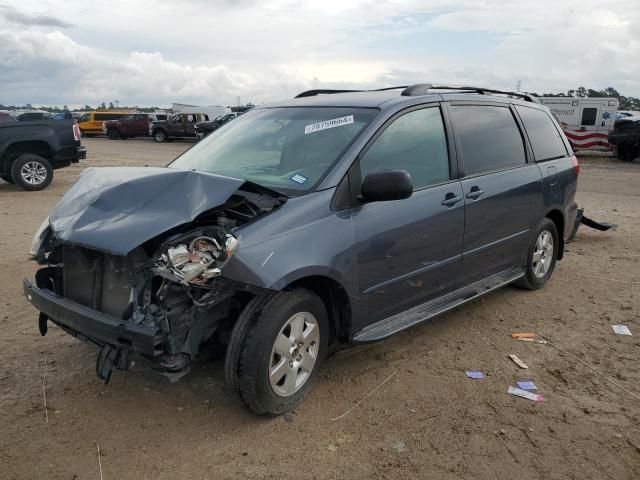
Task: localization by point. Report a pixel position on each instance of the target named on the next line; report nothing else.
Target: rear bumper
(96, 326)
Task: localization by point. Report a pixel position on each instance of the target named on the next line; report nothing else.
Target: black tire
(7, 178)
(160, 135)
(249, 353)
(531, 279)
(625, 153)
(25, 169)
(113, 134)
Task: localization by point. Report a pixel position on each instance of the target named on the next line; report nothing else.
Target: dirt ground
(428, 421)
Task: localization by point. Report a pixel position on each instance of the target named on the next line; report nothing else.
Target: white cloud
(159, 51)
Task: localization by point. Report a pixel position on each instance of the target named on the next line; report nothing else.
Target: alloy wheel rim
(294, 354)
(33, 173)
(160, 135)
(542, 254)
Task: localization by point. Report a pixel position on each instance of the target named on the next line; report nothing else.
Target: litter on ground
(518, 392)
(474, 374)
(517, 361)
(523, 335)
(526, 385)
(621, 329)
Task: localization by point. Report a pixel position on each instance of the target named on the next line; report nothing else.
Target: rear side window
(414, 142)
(489, 137)
(589, 116)
(543, 134)
(107, 116)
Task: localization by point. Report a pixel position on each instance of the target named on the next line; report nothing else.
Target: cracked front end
(162, 300)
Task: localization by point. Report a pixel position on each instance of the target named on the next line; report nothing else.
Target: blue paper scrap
(526, 385)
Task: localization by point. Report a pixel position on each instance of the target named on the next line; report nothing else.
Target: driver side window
(415, 142)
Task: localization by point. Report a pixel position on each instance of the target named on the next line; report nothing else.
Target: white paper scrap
(621, 329)
(518, 392)
(517, 361)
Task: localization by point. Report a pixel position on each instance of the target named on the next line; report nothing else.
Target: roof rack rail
(326, 91)
(423, 89)
(312, 93)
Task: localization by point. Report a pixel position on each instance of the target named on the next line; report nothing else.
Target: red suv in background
(134, 125)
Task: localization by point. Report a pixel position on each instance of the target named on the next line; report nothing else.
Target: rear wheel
(541, 256)
(31, 172)
(276, 349)
(159, 135)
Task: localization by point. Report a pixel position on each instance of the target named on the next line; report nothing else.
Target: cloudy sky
(140, 52)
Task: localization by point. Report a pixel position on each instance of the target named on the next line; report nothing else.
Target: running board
(418, 314)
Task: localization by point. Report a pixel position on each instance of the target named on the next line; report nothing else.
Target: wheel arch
(335, 298)
(15, 149)
(557, 218)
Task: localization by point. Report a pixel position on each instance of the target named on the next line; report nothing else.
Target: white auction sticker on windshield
(336, 122)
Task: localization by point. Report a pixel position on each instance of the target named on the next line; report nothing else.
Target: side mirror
(385, 185)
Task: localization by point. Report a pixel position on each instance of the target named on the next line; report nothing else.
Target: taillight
(576, 165)
(76, 132)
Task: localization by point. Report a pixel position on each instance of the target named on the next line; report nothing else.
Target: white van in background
(586, 121)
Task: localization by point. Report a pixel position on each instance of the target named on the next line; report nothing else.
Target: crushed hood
(116, 209)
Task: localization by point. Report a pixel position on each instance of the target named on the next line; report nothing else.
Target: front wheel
(276, 349)
(31, 172)
(541, 256)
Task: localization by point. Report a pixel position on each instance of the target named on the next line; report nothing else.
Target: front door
(409, 251)
(190, 125)
(502, 192)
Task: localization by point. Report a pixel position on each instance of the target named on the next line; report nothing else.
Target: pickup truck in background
(134, 125)
(180, 125)
(31, 151)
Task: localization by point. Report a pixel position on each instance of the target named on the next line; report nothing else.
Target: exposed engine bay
(171, 285)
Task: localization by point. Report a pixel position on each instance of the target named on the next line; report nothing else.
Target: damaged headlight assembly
(196, 260)
(38, 239)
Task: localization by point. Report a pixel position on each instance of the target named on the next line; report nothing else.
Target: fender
(28, 133)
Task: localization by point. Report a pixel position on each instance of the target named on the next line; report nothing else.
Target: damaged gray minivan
(336, 216)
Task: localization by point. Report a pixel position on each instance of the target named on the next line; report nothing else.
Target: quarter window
(589, 116)
(543, 134)
(414, 142)
(489, 138)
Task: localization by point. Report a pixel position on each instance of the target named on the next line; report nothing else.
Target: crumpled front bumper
(101, 328)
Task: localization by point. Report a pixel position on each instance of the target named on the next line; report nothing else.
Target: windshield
(286, 149)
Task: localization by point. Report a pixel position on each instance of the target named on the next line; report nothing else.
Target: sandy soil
(428, 421)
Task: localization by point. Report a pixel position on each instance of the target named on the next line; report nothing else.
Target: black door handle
(450, 199)
(474, 193)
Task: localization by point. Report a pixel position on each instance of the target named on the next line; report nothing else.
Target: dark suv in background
(625, 138)
(344, 216)
(205, 128)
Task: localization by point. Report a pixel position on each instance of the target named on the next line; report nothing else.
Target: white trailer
(586, 121)
(212, 111)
